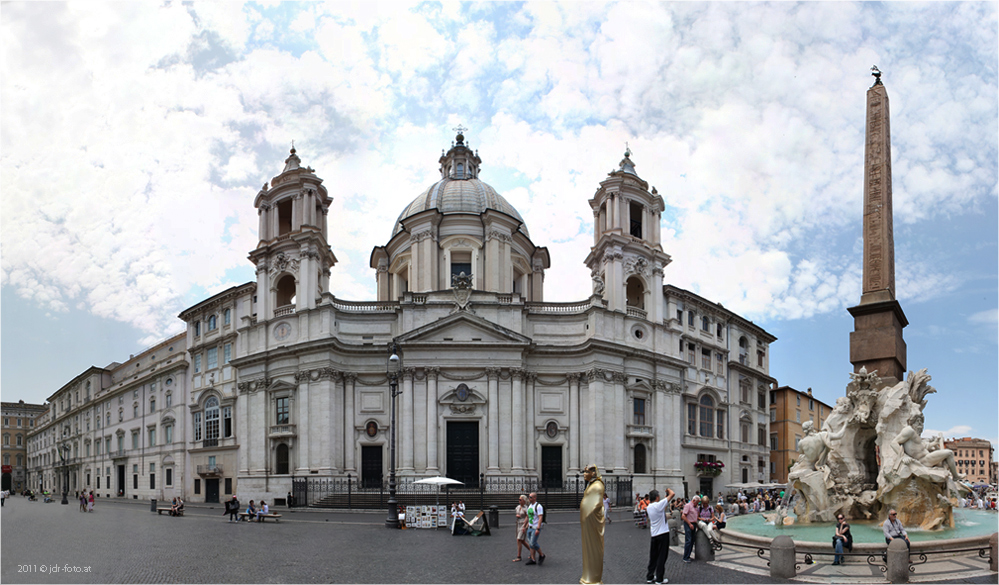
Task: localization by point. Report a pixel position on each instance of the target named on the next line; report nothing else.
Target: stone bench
(245, 516)
(161, 509)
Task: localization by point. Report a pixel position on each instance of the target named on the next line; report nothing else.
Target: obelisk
(876, 341)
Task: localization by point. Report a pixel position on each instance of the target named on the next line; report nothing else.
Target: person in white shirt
(264, 510)
(659, 529)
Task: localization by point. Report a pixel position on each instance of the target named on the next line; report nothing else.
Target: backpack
(544, 513)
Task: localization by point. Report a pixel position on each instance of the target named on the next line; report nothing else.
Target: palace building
(279, 379)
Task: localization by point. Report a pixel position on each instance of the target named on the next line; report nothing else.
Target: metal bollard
(782, 558)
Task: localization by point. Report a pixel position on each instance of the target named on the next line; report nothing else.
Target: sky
(135, 135)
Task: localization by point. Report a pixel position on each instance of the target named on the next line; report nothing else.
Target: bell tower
(626, 261)
(292, 257)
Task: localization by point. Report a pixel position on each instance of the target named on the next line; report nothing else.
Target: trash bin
(152, 505)
(493, 516)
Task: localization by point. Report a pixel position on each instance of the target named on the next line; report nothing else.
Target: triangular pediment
(466, 329)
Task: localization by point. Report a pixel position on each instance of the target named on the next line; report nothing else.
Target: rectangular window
(761, 434)
(135, 411)
(169, 400)
(211, 461)
(87, 449)
(690, 353)
(197, 426)
(168, 434)
(679, 316)
(107, 444)
(744, 428)
(282, 411)
(639, 411)
(690, 318)
(691, 418)
(97, 447)
(773, 441)
(197, 363)
(169, 476)
(773, 467)
(226, 353)
(18, 423)
(719, 330)
(135, 482)
(719, 363)
(773, 415)
(152, 405)
(811, 404)
(797, 416)
(706, 359)
(797, 439)
(197, 486)
(721, 424)
(212, 358)
(227, 421)
(798, 398)
(228, 486)
(226, 317)
(761, 400)
(152, 437)
(759, 359)
(135, 439)
(197, 327)
(705, 324)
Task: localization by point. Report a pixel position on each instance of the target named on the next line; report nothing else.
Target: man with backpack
(535, 519)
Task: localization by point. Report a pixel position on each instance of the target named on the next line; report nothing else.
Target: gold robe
(591, 522)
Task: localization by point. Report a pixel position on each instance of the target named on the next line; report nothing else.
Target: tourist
(718, 517)
(90, 502)
(263, 511)
(521, 515)
(659, 531)
(689, 526)
(251, 511)
(83, 501)
(233, 509)
(842, 539)
(893, 529)
(535, 515)
(607, 508)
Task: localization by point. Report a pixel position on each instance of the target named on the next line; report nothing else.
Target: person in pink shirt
(690, 513)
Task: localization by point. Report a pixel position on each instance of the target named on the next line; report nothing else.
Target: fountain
(869, 457)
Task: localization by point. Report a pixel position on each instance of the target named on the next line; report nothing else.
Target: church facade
(284, 380)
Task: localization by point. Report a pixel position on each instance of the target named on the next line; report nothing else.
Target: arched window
(285, 291)
(460, 172)
(707, 416)
(212, 323)
(226, 317)
(211, 421)
(282, 460)
(636, 292)
(640, 458)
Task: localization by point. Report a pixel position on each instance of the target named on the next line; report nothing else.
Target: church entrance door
(551, 467)
(463, 452)
(371, 466)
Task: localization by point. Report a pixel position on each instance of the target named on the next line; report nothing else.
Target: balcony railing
(637, 313)
(285, 310)
(283, 430)
(209, 470)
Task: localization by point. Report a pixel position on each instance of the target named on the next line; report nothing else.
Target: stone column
(595, 394)
(420, 425)
(432, 421)
(349, 439)
(618, 414)
(574, 465)
(518, 420)
(406, 426)
(505, 427)
(532, 439)
(493, 421)
(304, 459)
(244, 427)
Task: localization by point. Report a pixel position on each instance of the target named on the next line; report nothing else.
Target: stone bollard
(703, 551)
(898, 562)
(994, 554)
(675, 530)
(782, 558)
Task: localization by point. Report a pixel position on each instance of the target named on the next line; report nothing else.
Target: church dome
(459, 190)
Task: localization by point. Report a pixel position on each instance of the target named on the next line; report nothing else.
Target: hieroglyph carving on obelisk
(879, 242)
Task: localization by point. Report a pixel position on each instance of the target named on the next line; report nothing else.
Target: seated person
(262, 511)
(178, 508)
(251, 511)
(841, 539)
(893, 529)
(173, 506)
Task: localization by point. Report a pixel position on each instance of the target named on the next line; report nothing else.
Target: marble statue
(591, 523)
(869, 456)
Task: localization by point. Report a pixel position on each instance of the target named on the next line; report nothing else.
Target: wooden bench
(251, 517)
(161, 509)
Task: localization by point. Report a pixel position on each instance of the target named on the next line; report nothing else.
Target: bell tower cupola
(460, 162)
(292, 256)
(627, 260)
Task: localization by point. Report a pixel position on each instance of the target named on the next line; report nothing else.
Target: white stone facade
(284, 380)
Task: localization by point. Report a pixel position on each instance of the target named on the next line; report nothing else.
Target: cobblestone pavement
(126, 543)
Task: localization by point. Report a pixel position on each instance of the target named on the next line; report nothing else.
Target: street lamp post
(394, 367)
(65, 475)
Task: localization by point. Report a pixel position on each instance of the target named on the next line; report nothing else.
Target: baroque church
(279, 379)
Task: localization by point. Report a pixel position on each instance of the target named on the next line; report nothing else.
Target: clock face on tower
(282, 331)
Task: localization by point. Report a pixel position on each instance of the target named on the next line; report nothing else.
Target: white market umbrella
(439, 481)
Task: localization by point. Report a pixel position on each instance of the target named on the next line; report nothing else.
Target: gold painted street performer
(591, 522)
